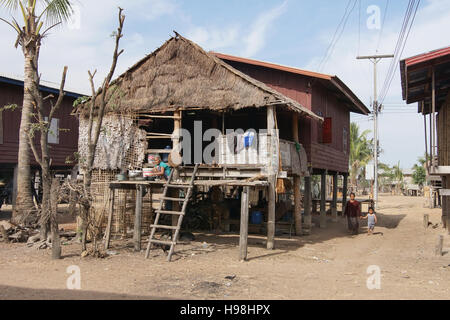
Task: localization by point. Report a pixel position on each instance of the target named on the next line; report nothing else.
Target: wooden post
(440, 245)
(335, 191)
(323, 200)
(272, 178)
(344, 192)
(14, 190)
(110, 217)
(243, 239)
(297, 181)
(308, 206)
(138, 219)
(176, 206)
(426, 220)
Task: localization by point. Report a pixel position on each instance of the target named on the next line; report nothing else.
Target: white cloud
(256, 40)
(214, 38)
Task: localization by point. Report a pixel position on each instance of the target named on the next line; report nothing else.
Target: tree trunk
(24, 200)
(56, 241)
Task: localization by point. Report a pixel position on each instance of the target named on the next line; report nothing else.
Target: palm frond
(11, 5)
(57, 11)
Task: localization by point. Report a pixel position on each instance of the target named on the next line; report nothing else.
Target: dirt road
(329, 264)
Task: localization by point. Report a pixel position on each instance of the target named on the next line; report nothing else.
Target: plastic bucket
(256, 217)
(146, 172)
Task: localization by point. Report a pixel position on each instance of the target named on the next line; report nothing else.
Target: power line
(382, 26)
(400, 47)
(340, 29)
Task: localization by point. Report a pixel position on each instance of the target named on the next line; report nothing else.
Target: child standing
(371, 221)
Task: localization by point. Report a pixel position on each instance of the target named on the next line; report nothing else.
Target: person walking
(353, 214)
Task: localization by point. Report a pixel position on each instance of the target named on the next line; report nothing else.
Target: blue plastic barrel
(256, 217)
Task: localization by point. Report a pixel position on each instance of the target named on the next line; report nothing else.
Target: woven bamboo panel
(124, 204)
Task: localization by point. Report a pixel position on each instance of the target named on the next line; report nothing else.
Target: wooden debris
(4, 234)
(440, 246)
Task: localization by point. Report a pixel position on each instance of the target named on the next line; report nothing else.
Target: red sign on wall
(327, 132)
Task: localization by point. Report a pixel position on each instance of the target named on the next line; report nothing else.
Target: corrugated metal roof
(333, 80)
(45, 85)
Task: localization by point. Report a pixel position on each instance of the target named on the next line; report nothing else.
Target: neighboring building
(426, 80)
(63, 144)
(327, 144)
(409, 187)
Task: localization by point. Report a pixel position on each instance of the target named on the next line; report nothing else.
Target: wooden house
(182, 87)
(327, 144)
(426, 80)
(63, 143)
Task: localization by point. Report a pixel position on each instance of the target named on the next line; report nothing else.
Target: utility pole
(376, 109)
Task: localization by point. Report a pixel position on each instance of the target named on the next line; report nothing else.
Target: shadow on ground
(17, 293)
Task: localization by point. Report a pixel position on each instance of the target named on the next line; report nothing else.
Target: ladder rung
(175, 213)
(167, 243)
(163, 227)
(185, 186)
(174, 199)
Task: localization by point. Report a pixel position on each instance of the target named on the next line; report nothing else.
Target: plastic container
(256, 217)
(146, 172)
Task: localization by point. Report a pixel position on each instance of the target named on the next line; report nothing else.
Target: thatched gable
(181, 75)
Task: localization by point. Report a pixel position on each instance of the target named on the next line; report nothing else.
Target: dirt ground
(329, 264)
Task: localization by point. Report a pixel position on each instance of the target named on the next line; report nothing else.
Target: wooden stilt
(335, 191)
(323, 200)
(344, 192)
(271, 178)
(308, 206)
(110, 217)
(138, 219)
(243, 239)
(176, 206)
(297, 181)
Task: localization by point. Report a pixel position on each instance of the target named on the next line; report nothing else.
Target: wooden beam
(344, 192)
(176, 206)
(323, 200)
(138, 219)
(297, 182)
(307, 205)
(159, 117)
(272, 178)
(334, 203)
(243, 238)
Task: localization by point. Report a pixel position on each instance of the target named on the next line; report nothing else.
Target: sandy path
(329, 264)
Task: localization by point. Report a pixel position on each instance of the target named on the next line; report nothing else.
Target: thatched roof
(181, 75)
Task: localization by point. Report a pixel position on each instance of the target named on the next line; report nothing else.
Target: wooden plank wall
(444, 133)
(68, 141)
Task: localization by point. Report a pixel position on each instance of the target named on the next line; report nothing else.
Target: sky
(296, 33)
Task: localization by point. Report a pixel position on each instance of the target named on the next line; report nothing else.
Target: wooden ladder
(180, 214)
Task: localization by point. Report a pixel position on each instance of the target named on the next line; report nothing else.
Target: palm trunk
(24, 200)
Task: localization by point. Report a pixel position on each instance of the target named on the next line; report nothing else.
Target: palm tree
(39, 16)
(360, 152)
(398, 177)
